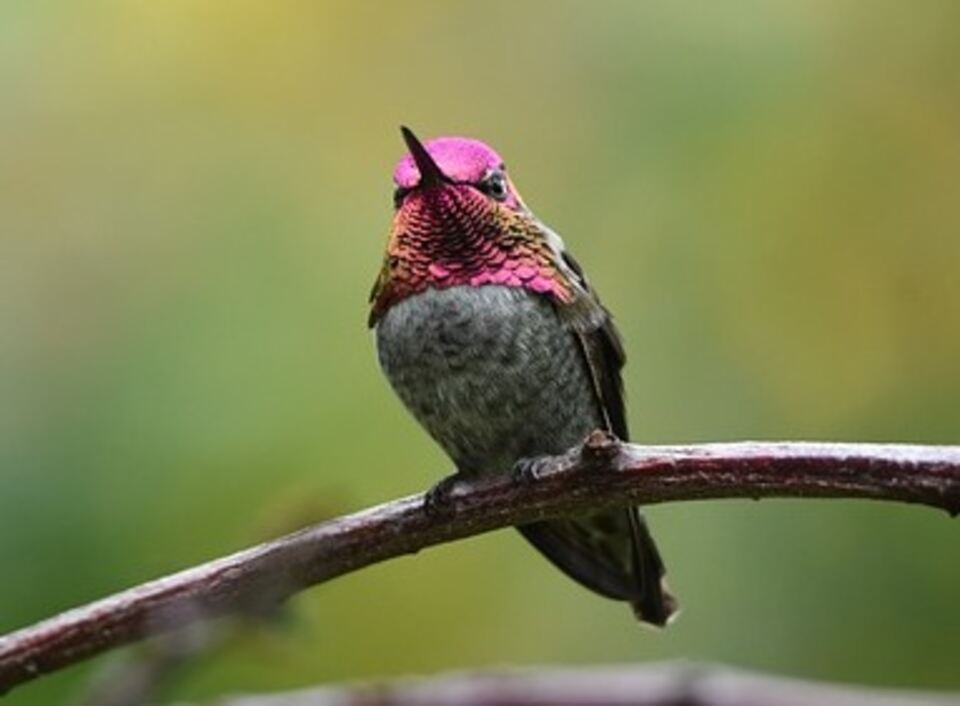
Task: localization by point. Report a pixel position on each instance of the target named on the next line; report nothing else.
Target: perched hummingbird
(492, 337)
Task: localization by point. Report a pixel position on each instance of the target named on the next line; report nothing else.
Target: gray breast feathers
(492, 373)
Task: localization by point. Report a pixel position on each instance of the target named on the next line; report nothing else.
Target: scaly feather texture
(491, 335)
(457, 236)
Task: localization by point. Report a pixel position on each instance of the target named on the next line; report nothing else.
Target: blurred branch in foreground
(138, 678)
(602, 473)
(667, 684)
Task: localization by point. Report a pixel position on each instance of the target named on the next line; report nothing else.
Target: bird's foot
(437, 500)
(530, 470)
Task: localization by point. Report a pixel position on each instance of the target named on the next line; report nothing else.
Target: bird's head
(453, 164)
(459, 220)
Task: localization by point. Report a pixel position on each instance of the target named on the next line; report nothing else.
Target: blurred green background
(193, 202)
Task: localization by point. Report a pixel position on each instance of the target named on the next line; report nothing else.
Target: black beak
(430, 174)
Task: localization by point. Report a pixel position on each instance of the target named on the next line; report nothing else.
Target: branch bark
(666, 684)
(602, 473)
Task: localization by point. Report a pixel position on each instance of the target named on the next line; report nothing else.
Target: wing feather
(613, 553)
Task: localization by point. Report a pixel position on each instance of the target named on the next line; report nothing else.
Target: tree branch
(665, 684)
(603, 473)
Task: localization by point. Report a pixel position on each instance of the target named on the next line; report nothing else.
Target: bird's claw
(437, 500)
(529, 470)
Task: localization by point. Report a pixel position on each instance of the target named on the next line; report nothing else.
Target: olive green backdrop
(193, 202)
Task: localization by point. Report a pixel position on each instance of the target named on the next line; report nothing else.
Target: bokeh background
(193, 202)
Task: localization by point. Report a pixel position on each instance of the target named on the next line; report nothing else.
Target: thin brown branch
(666, 684)
(602, 473)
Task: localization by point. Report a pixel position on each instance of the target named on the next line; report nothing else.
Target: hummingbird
(491, 335)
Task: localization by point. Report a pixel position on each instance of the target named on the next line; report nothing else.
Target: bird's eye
(398, 195)
(495, 185)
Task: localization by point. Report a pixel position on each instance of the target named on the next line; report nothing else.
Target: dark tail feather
(612, 554)
(654, 604)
